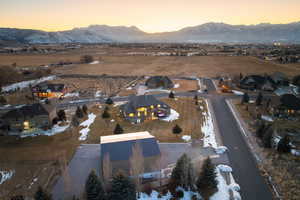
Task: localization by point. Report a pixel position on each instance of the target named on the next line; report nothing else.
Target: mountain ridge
(204, 33)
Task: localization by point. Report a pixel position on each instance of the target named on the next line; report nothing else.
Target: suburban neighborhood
(149, 100)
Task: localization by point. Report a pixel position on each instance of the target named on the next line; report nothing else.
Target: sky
(147, 15)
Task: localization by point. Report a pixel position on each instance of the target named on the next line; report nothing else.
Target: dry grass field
(36, 161)
(190, 121)
(205, 66)
(185, 85)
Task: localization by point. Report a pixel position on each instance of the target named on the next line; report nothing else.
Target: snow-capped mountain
(209, 32)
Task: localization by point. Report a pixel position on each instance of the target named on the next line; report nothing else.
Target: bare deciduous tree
(106, 171)
(137, 165)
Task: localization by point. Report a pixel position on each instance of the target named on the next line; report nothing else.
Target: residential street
(245, 171)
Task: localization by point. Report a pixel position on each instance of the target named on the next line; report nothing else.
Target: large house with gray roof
(28, 118)
(119, 148)
(163, 82)
(144, 107)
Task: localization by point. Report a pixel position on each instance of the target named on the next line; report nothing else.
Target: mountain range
(205, 33)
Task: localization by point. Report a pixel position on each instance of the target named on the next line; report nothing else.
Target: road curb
(257, 158)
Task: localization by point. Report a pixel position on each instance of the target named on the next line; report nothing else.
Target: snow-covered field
(86, 124)
(25, 84)
(6, 175)
(173, 116)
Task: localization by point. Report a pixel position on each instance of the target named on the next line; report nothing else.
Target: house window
(26, 125)
(152, 106)
(158, 105)
(131, 114)
(139, 114)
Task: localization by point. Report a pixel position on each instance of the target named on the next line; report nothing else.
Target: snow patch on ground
(86, 124)
(177, 85)
(53, 131)
(186, 138)
(94, 62)
(74, 94)
(187, 195)
(220, 149)
(236, 92)
(267, 118)
(173, 116)
(208, 130)
(223, 188)
(98, 94)
(6, 175)
(119, 103)
(295, 152)
(25, 84)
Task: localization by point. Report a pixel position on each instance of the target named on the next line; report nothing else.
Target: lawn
(190, 121)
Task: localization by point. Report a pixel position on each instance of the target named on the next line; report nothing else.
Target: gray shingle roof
(27, 110)
(122, 151)
(141, 101)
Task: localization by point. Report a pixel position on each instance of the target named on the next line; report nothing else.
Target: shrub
(109, 101)
(86, 59)
(118, 129)
(177, 129)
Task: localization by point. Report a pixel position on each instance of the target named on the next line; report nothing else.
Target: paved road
(246, 173)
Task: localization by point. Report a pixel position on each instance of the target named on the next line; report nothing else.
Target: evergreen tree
(284, 145)
(196, 97)
(207, 177)
(19, 197)
(75, 121)
(41, 194)
(93, 187)
(122, 188)
(109, 101)
(61, 115)
(183, 173)
(118, 129)
(267, 138)
(85, 109)
(261, 129)
(171, 95)
(245, 98)
(79, 112)
(105, 114)
(259, 99)
(241, 76)
(177, 129)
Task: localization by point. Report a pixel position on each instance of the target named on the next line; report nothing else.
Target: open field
(190, 121)
(185, 85)
(204, 66)
(35, 161)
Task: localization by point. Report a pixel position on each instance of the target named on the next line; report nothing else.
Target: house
(257, 82)
(280, 78)
(28, 118)
(144, 107)
(163, 82)
(49, 90)
(285, 105)
(119, 149)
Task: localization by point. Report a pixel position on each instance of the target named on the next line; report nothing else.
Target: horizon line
(149, 32)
